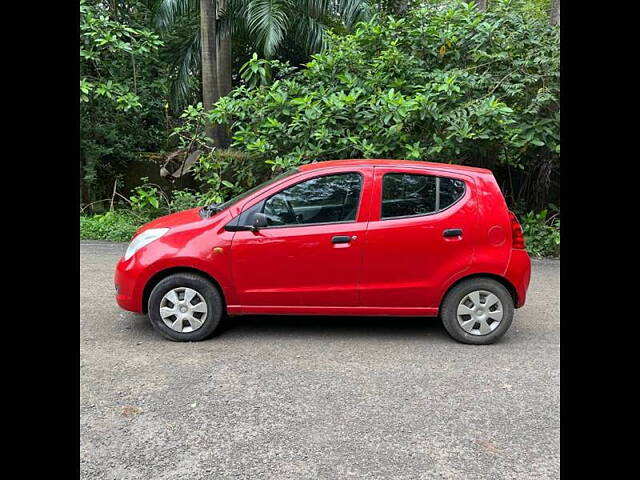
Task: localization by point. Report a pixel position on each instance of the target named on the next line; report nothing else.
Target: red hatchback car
(346, 237)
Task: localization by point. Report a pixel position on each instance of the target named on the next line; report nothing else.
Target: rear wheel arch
(159, 276)
(506, 283)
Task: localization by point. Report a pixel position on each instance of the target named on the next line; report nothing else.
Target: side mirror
(259, 221)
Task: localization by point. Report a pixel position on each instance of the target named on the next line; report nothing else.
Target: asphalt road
(306, 398)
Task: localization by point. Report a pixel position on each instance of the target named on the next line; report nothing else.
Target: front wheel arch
(159, 276)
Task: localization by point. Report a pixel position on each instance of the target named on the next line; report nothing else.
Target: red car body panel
(407, 259)
(300, 267)
(189, 245)
(399, 266)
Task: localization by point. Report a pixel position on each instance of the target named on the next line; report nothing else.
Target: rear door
(422, 231)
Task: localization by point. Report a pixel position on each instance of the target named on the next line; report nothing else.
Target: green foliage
(271, 23)
(151, 201)
(146, 197)
(538, 9)
(186, 199)
(290, 29)
(123, 93)
(446, 82)
(542, 233)
(258, 72)
(209, 171)
(104, 42)
(148, 203)
(221, 173)
(115, 226)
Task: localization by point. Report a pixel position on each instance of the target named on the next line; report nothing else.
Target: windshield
(239, 197)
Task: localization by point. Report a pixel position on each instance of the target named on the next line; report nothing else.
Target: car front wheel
(477, 311)
(185, 307)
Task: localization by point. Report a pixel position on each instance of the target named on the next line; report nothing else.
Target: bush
(185, 199)
(222, 173)
(445, 83)
(542, 233)
(148, 198)
(120, 225)
(116, 226)
(122, 94)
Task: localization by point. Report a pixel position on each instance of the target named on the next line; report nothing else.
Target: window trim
(329, 174)
(438, 209)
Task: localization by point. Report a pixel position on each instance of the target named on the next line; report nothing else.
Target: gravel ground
(316, 397)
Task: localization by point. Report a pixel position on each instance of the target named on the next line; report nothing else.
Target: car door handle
(452, 232)
(341, 239)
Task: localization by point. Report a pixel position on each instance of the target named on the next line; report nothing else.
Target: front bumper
(129, 285)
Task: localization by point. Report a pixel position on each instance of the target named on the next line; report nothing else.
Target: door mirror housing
(260, 220)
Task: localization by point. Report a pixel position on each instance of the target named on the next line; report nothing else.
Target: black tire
(448, 310)
(209, 294)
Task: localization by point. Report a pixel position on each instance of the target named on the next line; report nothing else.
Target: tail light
(517, 236)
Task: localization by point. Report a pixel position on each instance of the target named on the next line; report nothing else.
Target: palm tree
(268, 23)
(209, 62)
(554, 15)
(225, 60)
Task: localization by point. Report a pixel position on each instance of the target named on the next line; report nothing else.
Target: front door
(310, 255)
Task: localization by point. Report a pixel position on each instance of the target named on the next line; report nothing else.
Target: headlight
(145, 238)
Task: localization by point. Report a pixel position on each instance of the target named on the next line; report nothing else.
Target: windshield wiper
(207, 211)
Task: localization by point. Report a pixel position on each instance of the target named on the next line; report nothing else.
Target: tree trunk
(482, 4)
(554, 15)
(401, 7)
(224, 70)
(210, 92)
(84, 188)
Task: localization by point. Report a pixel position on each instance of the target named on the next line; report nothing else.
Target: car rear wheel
(477, 311)
(185, 307)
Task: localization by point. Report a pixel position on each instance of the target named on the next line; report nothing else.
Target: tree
(482, 4)
(225, 65)
(433, 85)
(224, 55)
(104, 43)
(209, 62)
(267, 23)
(121, 92)
(400, 7)
(554, 15)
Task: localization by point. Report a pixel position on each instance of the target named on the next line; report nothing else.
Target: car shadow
(311, 326)
(336, 326)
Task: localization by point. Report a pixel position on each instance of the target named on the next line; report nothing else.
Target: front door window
(326, 199)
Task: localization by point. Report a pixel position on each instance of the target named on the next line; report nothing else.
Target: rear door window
(405, 194)
(409, 194)
(451, 190)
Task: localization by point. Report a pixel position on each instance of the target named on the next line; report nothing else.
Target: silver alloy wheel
(480, 312)
(183, 309)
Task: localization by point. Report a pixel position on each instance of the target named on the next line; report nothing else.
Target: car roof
(379, 162)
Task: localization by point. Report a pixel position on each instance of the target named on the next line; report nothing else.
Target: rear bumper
(519, 274)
